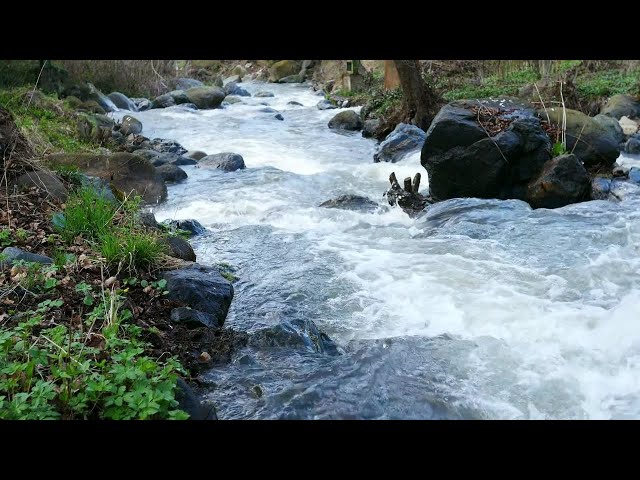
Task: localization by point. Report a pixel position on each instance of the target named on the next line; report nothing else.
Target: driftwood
(407, 198)
(407, 185)
(416, 183)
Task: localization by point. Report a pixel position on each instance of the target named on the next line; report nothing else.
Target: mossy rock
(73, 102)
(620, 106)
(282, 69)
(206, 97)
(91, 106)
(125, 172)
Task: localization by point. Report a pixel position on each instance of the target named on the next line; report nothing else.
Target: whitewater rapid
(476, 309)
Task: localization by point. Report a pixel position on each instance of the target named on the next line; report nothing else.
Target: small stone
(204, 357)
(109, 282)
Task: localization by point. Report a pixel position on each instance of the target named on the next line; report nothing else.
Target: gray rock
(163, 101)
(263, 94)
(634, 175)
(195, 154)
(231, 99)
(347, 120)
(620, 106)
(193, 318)
(171, 173)
(612, 126)
(188, 106)
(179, 97)
(292, 79)
(142, 103)
(203, 289)
(187, 83)
(231, 79)
(632, 146)
(295, 104)
(105, 102)
(296, 333)
(226, 161)
(46, 182)
(351, 202)
(600, 188)
(148, 219)
(370, 128)
(150, 155)
(10, 255)
(99, 186)
(325, 105)
(403, 140)
(130, 125)
(206, 97)
(190, 225)
(123, 102)
(232, 88)
(180, 248)
(278, 116)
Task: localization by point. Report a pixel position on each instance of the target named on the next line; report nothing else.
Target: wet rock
(292, 79)
(182, 160)
(192, 318)
(186, 83)
(632, 146)
(171, 173)
(294, 103)
(167, 146)
(268, 110)
(189, 225)
(325, 105)
(188, 402)
(634, 175)
(232, 88)
(195, 154)
(206, 97)
(227, 161)
(411, 203)
(278, 116)
(180, 248)
(130, 125)
(142, 103)
(188, 106)
(600, 188)
(620, 171)
(231, 99)
(404, 140)
(46, 182)
(150, 155)
(370, 128)
(163, 101)
(294, 334)
(347, 120)
(179, 97)
(10, 255)
(563, 181)
(351, 202)
(263, 94)
(621, 189)
(612, 125)
(622, 105)
(628, 126)
(203, 289)
(123, 102)
(231, 79)
(105, 102)
(148, 219)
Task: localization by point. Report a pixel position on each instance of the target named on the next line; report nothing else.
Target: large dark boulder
(563, 181)
(202, 289)
(403, 140)
(206, 97)
(370, 128)
(347, 120)
(227, 161)
(125, 172)
(171, 173)
(588, 139)
(123, 102)
(620, 106)
(46, 182)
(130, 125)
(463, 159)
(612, 125)
(351, 202)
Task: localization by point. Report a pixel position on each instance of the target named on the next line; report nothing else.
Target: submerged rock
(351, 202)
(325, 105)
(227, 161)
(171, 173)
(263, 94)
(294, 334)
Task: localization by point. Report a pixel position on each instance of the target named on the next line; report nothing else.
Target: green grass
(87, 214)
(492, 86)
(130, 248)
(608, 83)
(48, 124)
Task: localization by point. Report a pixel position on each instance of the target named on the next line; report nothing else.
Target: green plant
(558, 149)
(227, 271)
(87, 214)
(69, 173)
(62, 372)
(133, 249)
(5, 238)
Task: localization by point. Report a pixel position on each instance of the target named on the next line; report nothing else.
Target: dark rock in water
(227, 161)
(263, 94)
(589, 140)
(10, 255)
(150, 155)
(620, 106)
(231, 99)
(563, 181)
(370, 128)
(163, 101)
(99, 186)
(186, 83)
(325, 105)
(600, 188)
(142, 103)
(294, 334)
(171, 173)
(167, 146)
(190, 225)
(148, 219)
(162, 158)
(46, 182)
(294, 103)
(634, 175)
(632, 146)
(278, 116)
(188, 402)
(347, 120)
(195, 154)
(231, 79)
(182, 160)
(463, 161)
(122, 101)
(179, 97)
(180, 248)
(203, 289)
(130, 125)
(411, 203)
(403, 140)
(188, 106)
(351, 202)
(206, 97)
(620, 171)
(268, 110)
(118, 137)
(232, 88)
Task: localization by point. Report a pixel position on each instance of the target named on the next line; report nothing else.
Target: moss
(609, 83)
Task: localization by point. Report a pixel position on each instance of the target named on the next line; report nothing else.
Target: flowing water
(477, 309)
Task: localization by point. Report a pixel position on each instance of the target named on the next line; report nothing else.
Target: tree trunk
(420, 99)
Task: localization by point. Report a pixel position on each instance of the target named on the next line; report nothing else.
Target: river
(476, 309)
